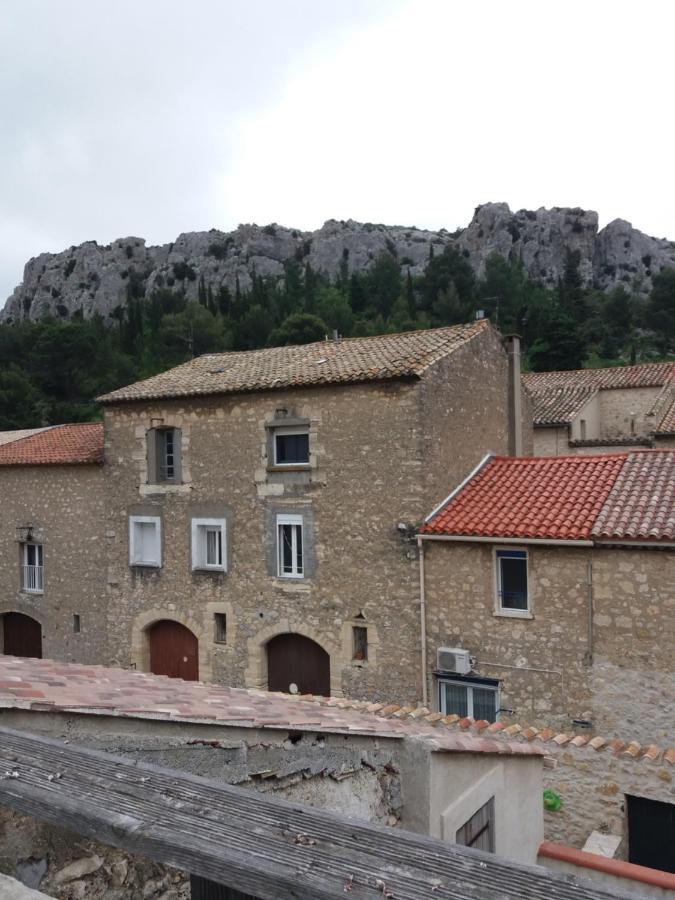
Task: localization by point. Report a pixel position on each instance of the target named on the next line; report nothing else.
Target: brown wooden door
(296, 660)
(174, 650)
(22, 636)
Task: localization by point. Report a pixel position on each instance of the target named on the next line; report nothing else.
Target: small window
(512, 593)
(208, 544)
(582, 429)
(220, 628)
(479, 831)
(291, 447)
(290, 552)
(460, 698)
(359, 643)
(76, 624)
(32, 569)
(145, 541)
(164, 456)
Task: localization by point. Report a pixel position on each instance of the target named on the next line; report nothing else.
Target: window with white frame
(477, 699)
(512, 589)
(145, 541)
(290, 552)
(32, 568)
(209, 550)
(291, 446)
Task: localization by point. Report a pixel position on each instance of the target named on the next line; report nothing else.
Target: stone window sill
(148, 489)
(302, 467)
(512, 614)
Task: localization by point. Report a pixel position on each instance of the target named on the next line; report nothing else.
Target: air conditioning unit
(453, 659)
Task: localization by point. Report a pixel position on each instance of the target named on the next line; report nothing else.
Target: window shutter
(177, 456)
(152, 455)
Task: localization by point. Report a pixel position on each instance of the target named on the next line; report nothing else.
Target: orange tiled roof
(44, 685)
(60, 445)
(346, 361)
(558, 396)
(621, 496)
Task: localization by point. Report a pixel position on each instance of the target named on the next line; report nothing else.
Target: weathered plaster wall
(542, 661)
(590, 414)
(624, 411)
(65, 506)
(551, 441)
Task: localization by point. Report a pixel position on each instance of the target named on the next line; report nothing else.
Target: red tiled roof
(61, 445)
(45, 685)
(621, 496)
(346, 361)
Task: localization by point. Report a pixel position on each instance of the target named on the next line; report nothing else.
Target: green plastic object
(552, 801)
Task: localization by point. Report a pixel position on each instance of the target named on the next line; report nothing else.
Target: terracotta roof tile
(344, 361)
(667, 423)
(96, 690)
(60, 445)
(555, 498)
(558, 396)
(641, 504)
(610, 497)
(8, 437)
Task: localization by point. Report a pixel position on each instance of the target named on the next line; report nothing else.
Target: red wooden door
(174, 650)
(296, 660)
(22, 636)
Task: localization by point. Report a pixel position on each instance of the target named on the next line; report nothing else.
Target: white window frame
(199, 545)
(470, 686)
(38, 567)
(290, 430)
(134, 559)
(501, 610)
(297, 521)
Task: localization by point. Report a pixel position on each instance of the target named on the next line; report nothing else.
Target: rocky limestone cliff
(94, 279)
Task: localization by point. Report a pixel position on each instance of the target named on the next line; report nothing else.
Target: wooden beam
(254, 844)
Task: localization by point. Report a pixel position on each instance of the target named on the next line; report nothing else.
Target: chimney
(512, 346)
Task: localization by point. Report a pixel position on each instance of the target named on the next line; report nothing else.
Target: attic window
(291, 446)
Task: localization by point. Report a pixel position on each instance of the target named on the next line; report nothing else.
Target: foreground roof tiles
(558, 396)
(41, 684)
(608, 497)
(60, 445)
(345, 361)
(44, 685)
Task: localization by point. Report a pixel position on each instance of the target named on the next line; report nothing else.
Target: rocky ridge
(94, 279)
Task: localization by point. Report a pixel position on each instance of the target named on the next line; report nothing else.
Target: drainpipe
(423, 621)
(512, 343)
(589, 612)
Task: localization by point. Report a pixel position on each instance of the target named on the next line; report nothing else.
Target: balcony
(32, 579)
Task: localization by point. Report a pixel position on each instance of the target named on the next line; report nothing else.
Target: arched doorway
(22, 636)
(296, 664)
(174, 650)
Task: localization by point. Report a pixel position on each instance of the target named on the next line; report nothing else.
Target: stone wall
(64, 504)
(380, 457)
(624, 412)
(542, 661)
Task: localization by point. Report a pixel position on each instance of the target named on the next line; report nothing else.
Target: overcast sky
(152, 117)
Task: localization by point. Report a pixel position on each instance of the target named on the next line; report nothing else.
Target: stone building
(261, 506)
(603, 410)
(551, 582)
(52, 570)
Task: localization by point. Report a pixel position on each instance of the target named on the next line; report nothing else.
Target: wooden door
(294, 660)
(22, 636)
(174, 650)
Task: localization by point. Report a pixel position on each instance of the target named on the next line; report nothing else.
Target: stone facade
(64, 506)
(551, 669)
(380, 454)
